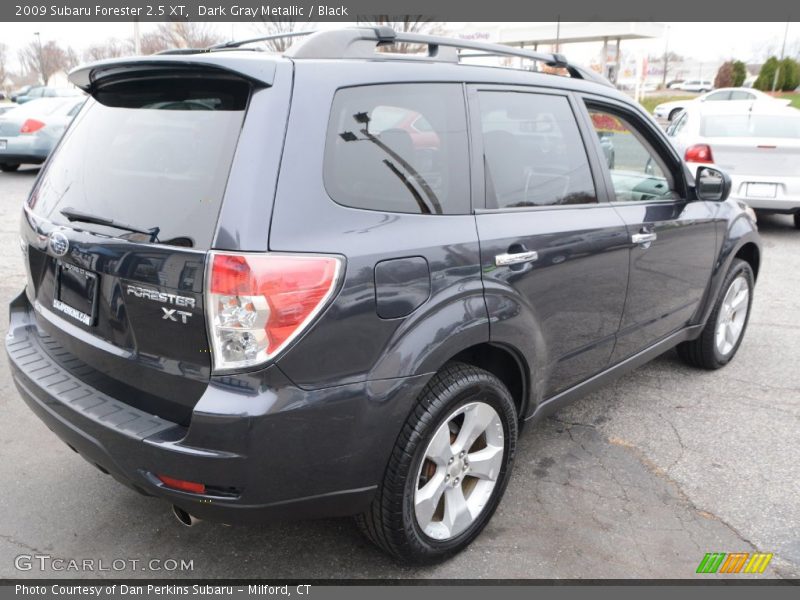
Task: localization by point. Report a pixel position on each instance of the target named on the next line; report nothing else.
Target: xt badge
(173, 314)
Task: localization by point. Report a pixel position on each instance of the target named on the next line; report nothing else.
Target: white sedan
(669, 110)
(756, 143)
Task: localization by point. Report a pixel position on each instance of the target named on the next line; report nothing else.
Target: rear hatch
(117, 229)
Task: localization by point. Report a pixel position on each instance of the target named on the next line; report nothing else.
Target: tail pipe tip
(184, 518)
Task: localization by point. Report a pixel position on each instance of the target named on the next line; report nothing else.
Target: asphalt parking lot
(640, 479)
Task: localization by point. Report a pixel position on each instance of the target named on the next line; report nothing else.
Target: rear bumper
(266, 448)
(25, 149)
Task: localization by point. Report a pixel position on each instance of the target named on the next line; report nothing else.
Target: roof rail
(361, 42)
(263, 38)
(181, 51)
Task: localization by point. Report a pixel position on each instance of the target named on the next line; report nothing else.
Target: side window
(399, 148)
(738, 95)
(533, 151)
(716, 96)
(637, 172)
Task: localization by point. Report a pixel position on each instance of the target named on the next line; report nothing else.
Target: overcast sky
(702, 41)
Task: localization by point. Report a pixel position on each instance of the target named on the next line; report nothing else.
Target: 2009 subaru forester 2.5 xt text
(335, 282)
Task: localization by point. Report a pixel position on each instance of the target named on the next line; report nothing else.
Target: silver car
(7, 106)
(28, 133)
(670, 110)
(756, 143)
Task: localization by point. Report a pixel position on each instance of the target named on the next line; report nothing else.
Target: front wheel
(726, 325)
(449, 468)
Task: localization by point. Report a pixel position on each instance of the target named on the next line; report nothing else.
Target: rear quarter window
(399, 148)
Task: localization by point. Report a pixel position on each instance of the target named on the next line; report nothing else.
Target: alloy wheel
(459, 471)
(732, 315)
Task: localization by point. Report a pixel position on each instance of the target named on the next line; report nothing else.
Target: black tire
(9, 167)
(391, 522)
(703, 352)
(797, 220)
(673, 113)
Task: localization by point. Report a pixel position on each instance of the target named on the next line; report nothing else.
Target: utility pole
(137, 38)
(783, 52)
(666, 59)
(40, 57)
(558, 33)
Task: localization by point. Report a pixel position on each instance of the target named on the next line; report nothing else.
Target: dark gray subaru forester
(337, 281)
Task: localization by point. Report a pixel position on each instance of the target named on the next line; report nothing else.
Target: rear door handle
(516, 258)
(644, 239)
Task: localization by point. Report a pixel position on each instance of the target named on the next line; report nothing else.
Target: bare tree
(47, 59)
(405, 24)
(71, 59)
(111, 48)
(3, 62)
(179, 34)
(185, 34)
(278, 27)
(153, 42)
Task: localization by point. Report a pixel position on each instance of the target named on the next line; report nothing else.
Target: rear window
(148, 153)
(399, 148)
(756, 126)
(41, 108)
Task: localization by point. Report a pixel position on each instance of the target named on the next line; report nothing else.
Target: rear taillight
(258, 303)
(699, 153)
(31, 126)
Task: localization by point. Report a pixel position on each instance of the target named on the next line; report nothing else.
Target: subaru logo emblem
(58, 243)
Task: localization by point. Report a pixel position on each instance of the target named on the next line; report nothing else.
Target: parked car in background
(28, 133)
(696, 85)
(20, 92)
(669, 110)
(42, 91)
(674, 84)
(757, 143)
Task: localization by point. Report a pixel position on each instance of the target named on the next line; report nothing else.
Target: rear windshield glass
(768, 126)
(43, 107)
(148, 154)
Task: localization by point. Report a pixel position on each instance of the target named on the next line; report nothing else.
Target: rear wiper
(77, 215)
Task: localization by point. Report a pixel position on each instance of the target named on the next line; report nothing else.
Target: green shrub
(767, 75)
(739, 73)
(790, 75)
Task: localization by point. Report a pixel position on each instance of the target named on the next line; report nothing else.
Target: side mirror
(712, 184)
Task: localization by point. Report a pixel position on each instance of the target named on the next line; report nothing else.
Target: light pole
(783, 52)
(39, 58)
(137, 38)
(666, 59)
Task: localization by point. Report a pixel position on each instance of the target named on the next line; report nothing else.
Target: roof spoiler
(258, 71)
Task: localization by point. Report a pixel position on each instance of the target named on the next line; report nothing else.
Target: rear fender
(514, 324)
(431, 336)
(740, 232)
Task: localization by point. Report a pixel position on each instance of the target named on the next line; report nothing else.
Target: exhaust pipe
(184, 518)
